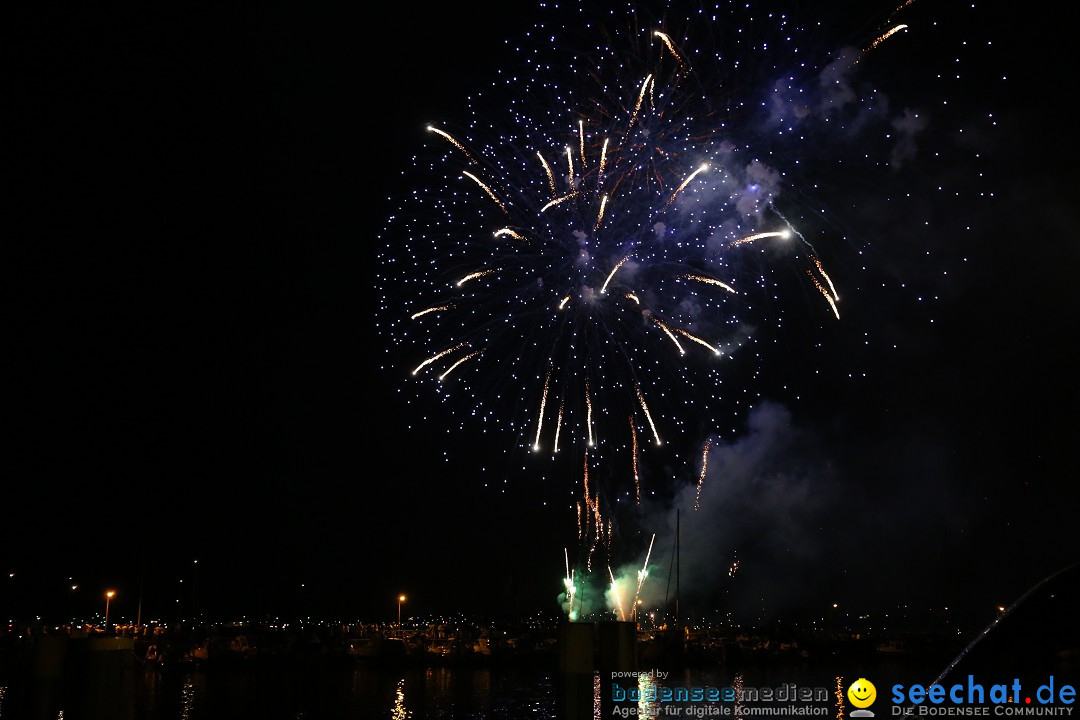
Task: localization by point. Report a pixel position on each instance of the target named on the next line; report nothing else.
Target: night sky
(193, 207)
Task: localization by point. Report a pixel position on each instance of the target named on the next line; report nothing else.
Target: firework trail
(453, 141)
(701, 477)
(644, 572)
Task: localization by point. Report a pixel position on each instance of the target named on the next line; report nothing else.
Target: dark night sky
(192, 208)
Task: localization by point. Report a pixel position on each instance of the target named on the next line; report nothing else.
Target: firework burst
(590, 265)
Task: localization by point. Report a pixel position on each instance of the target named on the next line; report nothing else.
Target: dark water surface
(101, 689)
(395, 693)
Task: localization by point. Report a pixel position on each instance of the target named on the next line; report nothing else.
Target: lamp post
(108, 596)
(400, 599)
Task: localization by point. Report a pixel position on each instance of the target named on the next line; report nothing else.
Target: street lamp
(400, 599)
(109, 595)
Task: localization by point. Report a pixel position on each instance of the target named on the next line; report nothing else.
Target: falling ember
(570, 164)
(701, 478)
(670, 334)
(473, 276)
(585, 476)
(579, 534)
(760, 236)
(557, 200)
(588, 414)
(670, 46)
(699, 341)
(633, 449)
(455, 143)
(565, 300)
(839, 693)
(600, 215)
(547, 169)
(884, 37)
(641, 399)
(558, 427)
(824, 292)
(632, 296)
(702, 168)
(438, 308)
(710, 281)
(510, 233)
(543, 404)
(603, 162)
(821, 269)
(485, 188)
(611, 274)
(581, 137)
(640, 97)
(436, 356)
(454, 366)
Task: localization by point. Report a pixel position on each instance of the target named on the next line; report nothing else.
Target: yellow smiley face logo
(862, 693)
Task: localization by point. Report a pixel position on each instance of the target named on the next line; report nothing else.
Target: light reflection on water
(349, 692)
(399, 711)
(187, 695)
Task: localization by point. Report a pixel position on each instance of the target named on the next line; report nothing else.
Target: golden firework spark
(670, 46)
(640, 97)
(510, 232)
(588, 412)
(710, 281)
(821, 288)
(459, 146)
(581, 138)
(785, 234)
(473, 276)
(825, 275)
(437, 308)
(436, 356)
(670, 334)
(485, 188)
(603, 162)
(615, 269)
(557, 200)
(543, 404)
(702, 168)
(699, 341)
(547, 169)
(648, 416)
(600, 215)
(701, 478)
(885, 37)
(454, 366)
(558, 428)
(633, 450)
